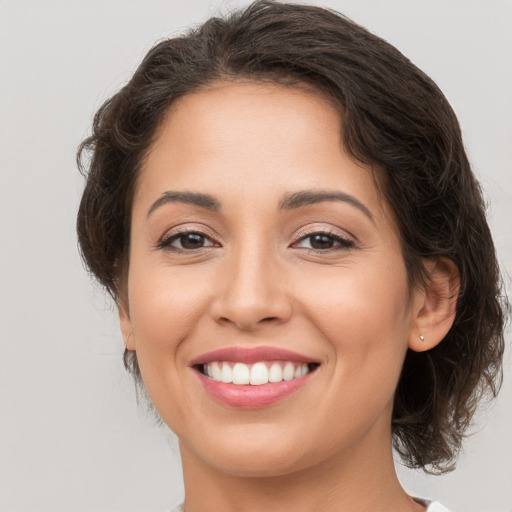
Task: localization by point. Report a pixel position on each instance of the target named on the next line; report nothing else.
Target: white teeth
(275, 373)
(226, 373)
(216, 371)
(240, 373)
(300, 371)
(256, 374)
(288, 371)
(259, 374)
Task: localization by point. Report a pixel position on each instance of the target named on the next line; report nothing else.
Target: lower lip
(252, 397)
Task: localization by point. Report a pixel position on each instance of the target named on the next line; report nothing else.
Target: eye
(323, 242)
(186, 241)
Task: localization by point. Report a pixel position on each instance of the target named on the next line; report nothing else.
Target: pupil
(321, 242)
(192, 241)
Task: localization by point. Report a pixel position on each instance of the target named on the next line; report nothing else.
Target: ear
(126, 325)
(435, 304)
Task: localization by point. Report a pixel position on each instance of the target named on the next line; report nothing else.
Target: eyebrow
(308, 197)
(288, 202)
(195, 198)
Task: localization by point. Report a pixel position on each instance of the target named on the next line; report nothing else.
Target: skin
(256, 281)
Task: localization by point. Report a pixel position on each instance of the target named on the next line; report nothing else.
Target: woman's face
(257, 239)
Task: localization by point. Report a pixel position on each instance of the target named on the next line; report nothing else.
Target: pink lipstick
(253, 377)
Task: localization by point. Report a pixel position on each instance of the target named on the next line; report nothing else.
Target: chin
(255, 452)
(260, 465)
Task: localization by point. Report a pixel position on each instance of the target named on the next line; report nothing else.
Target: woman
(281, 206)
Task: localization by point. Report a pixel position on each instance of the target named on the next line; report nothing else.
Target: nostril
(248, 304)
(248, 325)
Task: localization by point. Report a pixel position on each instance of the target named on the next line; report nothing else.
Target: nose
(252, 292)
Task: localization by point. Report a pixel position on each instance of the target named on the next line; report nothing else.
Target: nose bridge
(253, 292)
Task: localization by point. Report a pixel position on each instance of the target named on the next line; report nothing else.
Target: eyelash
(343, 243)
(166, 242)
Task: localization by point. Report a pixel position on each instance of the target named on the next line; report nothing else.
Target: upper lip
(251, 355)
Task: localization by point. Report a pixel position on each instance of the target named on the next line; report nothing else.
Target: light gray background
(71, 436)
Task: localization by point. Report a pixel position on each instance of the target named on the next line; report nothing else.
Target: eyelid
(183, 229)
(343, 241)
(165, 240)
(317, 229)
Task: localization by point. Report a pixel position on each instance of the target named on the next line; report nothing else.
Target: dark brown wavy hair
(395, 119)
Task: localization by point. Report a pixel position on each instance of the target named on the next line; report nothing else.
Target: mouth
(253, 377)
(256, 374)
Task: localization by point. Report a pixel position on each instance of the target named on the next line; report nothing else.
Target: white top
(435, 506)
(432, 506)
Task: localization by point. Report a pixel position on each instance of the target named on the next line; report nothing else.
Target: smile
(257, 374)
(252, 378)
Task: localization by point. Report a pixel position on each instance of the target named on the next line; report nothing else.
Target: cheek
(165, 309)
(165, 306)
(357, 300)
(365, 316)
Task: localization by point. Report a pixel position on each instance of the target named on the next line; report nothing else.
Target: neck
(345, 482)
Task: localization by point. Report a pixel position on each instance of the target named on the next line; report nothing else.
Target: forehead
(240, 139)
(228, 112)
